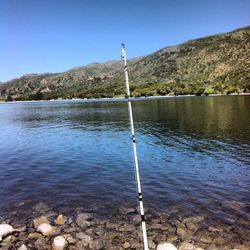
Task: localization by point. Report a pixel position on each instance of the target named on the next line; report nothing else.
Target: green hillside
(218, 64)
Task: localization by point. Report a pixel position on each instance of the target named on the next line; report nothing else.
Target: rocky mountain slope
(214, 64)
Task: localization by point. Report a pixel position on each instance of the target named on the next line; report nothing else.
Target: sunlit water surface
(194, 154)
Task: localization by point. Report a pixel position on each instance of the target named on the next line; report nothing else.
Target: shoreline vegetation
(119, 98)
(217, 64)
(43, 228)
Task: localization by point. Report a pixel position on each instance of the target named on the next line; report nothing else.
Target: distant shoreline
(124, 99)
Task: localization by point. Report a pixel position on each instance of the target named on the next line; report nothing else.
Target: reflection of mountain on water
(193, 152)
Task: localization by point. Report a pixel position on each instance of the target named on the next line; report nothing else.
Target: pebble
(241, 247)
(194, 219)
(98, 244)
(114, 232)
(211, 247)
(60, 220)
(22, 247)
(166, 246)
(81, 220)
(215, 229)
(40, 243)
(40, 220)
(9, 239)
(34, 236)
(219, 241)
(71, 240)
(5, 229)
(187, 246)
(46, 229)
(86, 240)
(183, 233)
(126, 210)
(126, 245)
(59, 243)
(21, 229)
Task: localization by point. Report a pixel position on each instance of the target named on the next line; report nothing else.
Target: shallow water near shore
(194, 156)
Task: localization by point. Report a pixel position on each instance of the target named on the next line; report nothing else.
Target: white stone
(59, 243)
(46, 229)
(5, 229)
(166, 246)
(23, 247)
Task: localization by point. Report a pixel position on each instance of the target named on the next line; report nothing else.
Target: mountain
(209, 65)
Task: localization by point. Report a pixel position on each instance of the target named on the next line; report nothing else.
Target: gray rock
(136, 219)
(86, 240)
(81, 220)
(22, 236)
(126, 210)
(40, 243)
(70, 229)
(85, 216)
(98, 244)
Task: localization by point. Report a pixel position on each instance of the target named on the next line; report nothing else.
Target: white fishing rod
(137, 173)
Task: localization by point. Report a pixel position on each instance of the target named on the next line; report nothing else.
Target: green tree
(209, 90)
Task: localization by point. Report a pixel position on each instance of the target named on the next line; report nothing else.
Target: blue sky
(53, 36)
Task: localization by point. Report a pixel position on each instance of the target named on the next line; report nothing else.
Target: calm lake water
(194, 154)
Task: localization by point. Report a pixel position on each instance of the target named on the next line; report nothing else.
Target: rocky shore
(47, 229)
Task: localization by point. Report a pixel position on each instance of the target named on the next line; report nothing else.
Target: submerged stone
(81, 220)
(126, 245)
(41, 208)
(60, 220)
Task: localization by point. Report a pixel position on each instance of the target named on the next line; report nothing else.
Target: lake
(194, 156)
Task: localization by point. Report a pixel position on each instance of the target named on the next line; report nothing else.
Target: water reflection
(193, 152)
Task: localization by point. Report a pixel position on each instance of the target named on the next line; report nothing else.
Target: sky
(38, 36)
